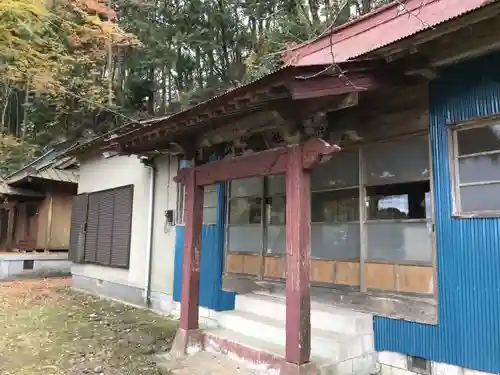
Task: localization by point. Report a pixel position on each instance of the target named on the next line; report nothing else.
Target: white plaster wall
(162, 268)
(98, 174)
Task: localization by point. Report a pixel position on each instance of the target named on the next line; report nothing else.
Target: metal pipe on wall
(149, 244)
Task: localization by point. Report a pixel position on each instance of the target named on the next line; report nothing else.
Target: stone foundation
(32, 265)
(397, 364)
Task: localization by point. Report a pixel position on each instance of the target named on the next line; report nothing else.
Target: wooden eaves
(282, 90)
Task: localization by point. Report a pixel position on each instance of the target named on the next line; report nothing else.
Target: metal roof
(9, 190)
(60, 175)
(389, 24)
(133, 126)
(51, 165)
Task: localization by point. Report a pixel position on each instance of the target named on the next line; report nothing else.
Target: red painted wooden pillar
(298, 259)
(192, 247)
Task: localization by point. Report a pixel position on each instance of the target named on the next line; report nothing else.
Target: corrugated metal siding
(92, 229)
(468, 250)
(211, 263)
(122, 226)
(104, 243)
(77, 233)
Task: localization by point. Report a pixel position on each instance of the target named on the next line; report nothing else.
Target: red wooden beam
(192, 247)
(314, 150)
(334, 85)
(263, 163)
(298, 259)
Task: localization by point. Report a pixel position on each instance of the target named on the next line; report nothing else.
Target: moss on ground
(48, 329)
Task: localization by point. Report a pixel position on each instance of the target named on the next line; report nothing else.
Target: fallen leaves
(50, 329)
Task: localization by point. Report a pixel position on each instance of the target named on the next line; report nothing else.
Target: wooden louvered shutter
(122, 226)
(105, 230)
(92, 228)
(77, 232)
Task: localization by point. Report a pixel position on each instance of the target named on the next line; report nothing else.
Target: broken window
(398, 201)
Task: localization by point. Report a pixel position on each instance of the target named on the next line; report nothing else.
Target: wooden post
(11, 228)
(192, 247)
(298, 259)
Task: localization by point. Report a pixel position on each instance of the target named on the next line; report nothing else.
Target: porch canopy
(274, 125)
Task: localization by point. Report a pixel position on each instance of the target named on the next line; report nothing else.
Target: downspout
(149, 245)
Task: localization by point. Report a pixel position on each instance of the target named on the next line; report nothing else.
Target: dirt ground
(48, 329)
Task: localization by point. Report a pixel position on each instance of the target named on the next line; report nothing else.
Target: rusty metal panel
(92, 231)
(105, 231)
(380, 28)
(468, 256)
(77, 232)
(121, 226)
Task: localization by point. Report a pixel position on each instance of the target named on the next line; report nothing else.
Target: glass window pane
(210, 188)
(276, 210)
(479, 168)
(398, 201)
(428, 206)
(399, 242)
(482, 139)
(276, 184)
(335, 241)
(480, 198)
(209, 215)
(245, 210)
(335, 206)
(395, 162)
(342, 170)
(245, 239)
(210, 199)
(247, 187)
(276, 240)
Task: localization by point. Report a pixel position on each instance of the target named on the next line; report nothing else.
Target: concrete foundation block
(366, 365)
(393, 359)
(445, 369)
(288, 368)
(400, 371)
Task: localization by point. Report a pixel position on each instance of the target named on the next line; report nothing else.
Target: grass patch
(49, 329)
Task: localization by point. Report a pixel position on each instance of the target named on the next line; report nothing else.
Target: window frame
(210, 189)
(454, 157)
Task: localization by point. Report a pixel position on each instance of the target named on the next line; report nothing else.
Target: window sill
(477, 215)
(105, 265)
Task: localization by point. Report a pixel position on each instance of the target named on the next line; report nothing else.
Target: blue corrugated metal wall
(212, 257)
(468, 250)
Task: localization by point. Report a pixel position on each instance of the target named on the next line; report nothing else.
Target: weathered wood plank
(298, 253)
(264, 163)
(192, 247)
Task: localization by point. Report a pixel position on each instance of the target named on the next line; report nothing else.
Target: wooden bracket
(314, 150)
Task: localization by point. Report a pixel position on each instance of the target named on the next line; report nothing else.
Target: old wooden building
(37, 201)
(340, 214)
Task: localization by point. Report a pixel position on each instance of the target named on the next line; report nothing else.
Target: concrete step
(364, 365)
(323, 316)
(331, 346)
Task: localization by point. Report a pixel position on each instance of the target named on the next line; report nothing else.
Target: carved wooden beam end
(314, 150)
(181, 176)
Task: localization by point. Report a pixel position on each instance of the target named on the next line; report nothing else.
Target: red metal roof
(380, 28)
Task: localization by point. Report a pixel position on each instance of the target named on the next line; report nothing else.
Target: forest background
(79, 68)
